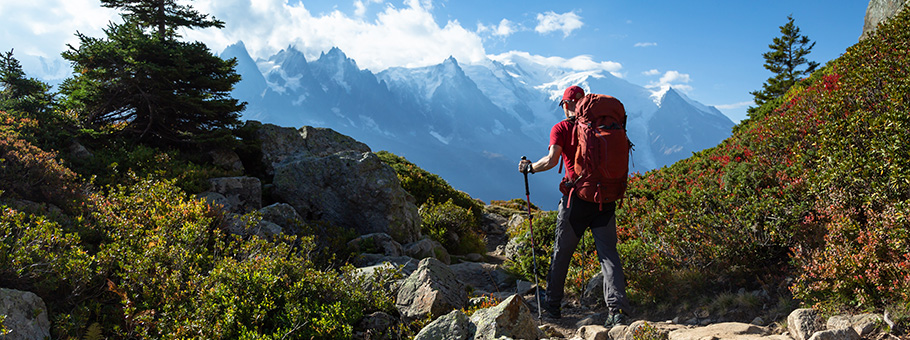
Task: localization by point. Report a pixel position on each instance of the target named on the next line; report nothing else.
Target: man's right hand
(525, 166)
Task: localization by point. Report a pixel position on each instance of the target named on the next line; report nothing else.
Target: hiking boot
(550, 311)
(614, 318)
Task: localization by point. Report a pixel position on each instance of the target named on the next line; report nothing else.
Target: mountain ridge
(469, 123)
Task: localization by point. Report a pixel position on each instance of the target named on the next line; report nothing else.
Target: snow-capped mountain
(470, 123)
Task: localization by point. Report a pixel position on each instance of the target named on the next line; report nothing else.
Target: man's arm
(546, 163)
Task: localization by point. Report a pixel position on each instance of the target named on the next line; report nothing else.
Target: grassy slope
(812, 188)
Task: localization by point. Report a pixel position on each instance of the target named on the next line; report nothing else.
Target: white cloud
(646, 44)
(550, 22)
(651, 72)
(504, 29)
(398, 35)
(579, 63)
(360, 6)
(670, 79)
(734, 105)
(407, 36)
(38, 31)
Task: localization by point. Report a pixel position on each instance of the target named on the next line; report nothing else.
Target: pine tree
(788, 52)
(141, 82)
(20, 94)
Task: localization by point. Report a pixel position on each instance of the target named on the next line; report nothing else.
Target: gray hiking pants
(571, 223)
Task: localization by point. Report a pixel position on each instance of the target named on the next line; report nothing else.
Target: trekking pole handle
(527, 190)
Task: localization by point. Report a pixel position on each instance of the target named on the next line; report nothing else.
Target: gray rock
(427, 247)
(325, 141)
(618, 332)
(494, 224)
(26, 315)
(511, 318)
(282, 144)
(372, 264)
(377, 323)
(836, 334)
(282, 214)
(215, 199)
(380, 243)
(251, 224)
(593, 332)
(879, 11)
(594, 291)
(432, 290)
(863, 324)
(349, 189)
(515, 221)
(474, 257)
(804, 322)
(452, 326)
(226, 159)
(511, 250)
(242, 194)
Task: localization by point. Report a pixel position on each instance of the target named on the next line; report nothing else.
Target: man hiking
(575, 215)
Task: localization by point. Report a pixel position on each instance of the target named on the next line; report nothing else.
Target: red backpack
(602, 154)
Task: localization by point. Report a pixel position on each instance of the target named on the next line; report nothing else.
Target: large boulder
(26, 315)
(427, 247)
(432, 290)
(511, 319)
(240, 194)
(282, 144)
(804, 322)
(452, 326)
(282, 214)
(879, 11)
(864, 324)
(376, 243)
(350, 189)
(836, 334)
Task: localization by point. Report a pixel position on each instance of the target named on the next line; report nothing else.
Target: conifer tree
(140, 81)
(20, 94)
(788, 53)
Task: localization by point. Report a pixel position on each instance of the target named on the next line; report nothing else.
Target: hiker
(575, 215)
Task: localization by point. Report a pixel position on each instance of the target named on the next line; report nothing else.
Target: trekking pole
(531, 226)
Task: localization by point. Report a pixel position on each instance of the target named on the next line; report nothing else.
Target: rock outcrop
(879, 11)
(432, 290)
(510, 319)
(327, 176)
(26, 315)
(452, 326)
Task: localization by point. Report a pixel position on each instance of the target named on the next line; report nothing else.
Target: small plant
(452, 226)
(487, 301)
(647, 331)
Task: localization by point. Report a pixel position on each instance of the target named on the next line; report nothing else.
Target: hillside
(277, 232)
(809, 194)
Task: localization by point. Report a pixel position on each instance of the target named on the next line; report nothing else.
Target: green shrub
(30, 173)
(584, 264)
(426, 187)
(812, 186)
(452, 226)
(157, 264)
(119, 162)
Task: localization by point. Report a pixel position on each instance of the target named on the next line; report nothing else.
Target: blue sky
(710, 50)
